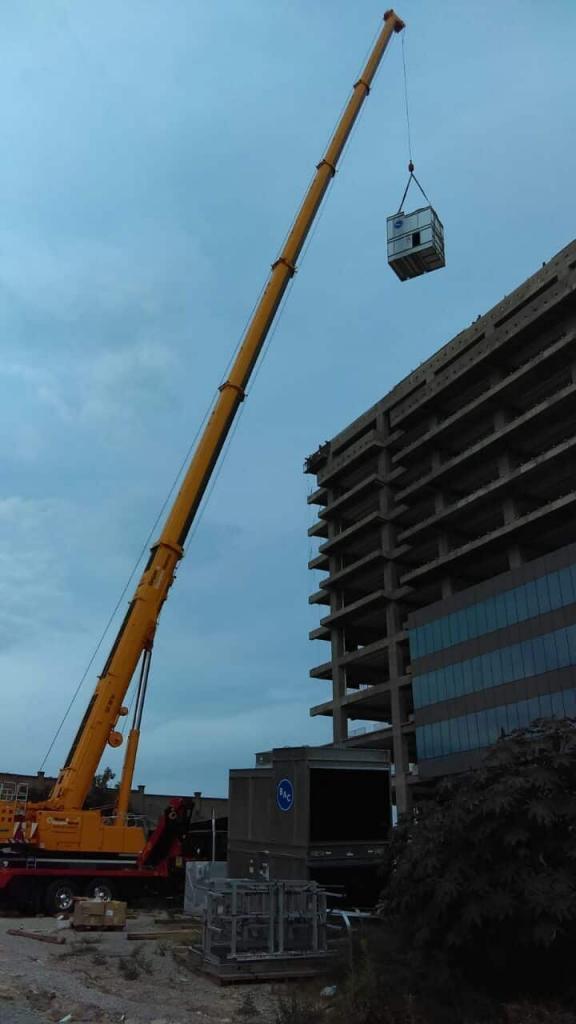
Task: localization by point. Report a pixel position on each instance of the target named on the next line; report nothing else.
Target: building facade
(492, 659)
(447, 503)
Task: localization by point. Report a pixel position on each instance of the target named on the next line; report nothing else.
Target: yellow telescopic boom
(137, 631)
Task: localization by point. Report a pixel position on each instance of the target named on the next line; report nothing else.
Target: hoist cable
(406, 99)
(409, 135)
(410, 180)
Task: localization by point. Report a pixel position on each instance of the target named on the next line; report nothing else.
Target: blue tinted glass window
(491, 730)
(442, 741)
(532, 599)
(501, 611)
(458, 680)
(512, 717)
(465, 677)
(417, 687)
(528, 657)
(533, 709)
(562, 649)
(444, 633)
(481, 621)
(522, 602)
(557, 700)
(422, 742)
(573, 577)
(543, 593)
(439, 685)
(494, 669)
(567, 593)
(421, 745)
(506, 665)
(421, 634)
(517, 661)
(539, 655)
(455, 735)
(472, 621)
(491, 623)
(529, 600)
(467, 743)
(444, 737)
(476, 673)
(426, 689)
(413, 643)
(554, 586)
(473, 738)
(570, 703)
(461, 733)
(546, 705)
(463, 627)
(511, 610)
(483, 729)
(522, 712)
(450, 682)
(551, 659)
(571, 639)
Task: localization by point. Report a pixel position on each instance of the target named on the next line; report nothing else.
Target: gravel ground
(101, 978)
(10, 1014)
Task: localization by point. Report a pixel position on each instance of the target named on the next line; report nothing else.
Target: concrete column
(400, 754)
(514, 556)
(339, 717)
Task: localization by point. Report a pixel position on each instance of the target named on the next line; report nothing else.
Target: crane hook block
(115, 738)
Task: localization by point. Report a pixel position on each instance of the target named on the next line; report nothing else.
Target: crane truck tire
(100, 889)
(59, 897)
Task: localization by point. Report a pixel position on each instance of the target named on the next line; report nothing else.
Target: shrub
(485, 876)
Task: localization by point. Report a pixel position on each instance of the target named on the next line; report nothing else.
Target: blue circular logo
(285, 795)
(398, 223)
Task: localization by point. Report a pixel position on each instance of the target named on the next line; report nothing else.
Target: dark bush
(484, 879)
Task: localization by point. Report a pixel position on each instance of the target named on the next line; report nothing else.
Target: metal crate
(248, 921)
(415, 243)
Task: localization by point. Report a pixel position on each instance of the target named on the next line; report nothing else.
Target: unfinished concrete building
(442, 512)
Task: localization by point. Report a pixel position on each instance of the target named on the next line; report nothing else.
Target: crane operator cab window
(415, 242)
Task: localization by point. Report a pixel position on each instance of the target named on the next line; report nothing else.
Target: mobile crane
(56, 843)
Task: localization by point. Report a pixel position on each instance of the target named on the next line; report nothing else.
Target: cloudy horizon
(154, 156)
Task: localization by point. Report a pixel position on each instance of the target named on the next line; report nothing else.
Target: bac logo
(285, 795)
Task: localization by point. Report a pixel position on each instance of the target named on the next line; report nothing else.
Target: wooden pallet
(231, 972)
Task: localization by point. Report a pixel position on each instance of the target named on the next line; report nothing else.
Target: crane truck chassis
(36, 882)
(51, 848)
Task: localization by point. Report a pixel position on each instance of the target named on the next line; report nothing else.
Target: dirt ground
(104, 978)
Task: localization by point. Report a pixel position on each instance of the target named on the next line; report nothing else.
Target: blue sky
(154, 155)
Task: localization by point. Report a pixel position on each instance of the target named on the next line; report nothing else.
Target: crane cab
(415, 242)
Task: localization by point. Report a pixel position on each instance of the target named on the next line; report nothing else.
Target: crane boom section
(138, 628)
